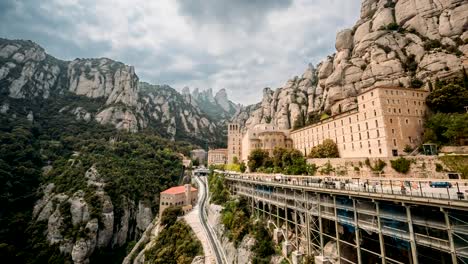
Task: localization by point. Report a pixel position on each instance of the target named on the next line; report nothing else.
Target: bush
(416, 83)
(327, 149)
(439, 167)
(401, 165)
(170, 214)
(393, 26)
(408, 149)
(450, 98)
(432, 44)
(326, 169)
(256, 159)
(378, 165)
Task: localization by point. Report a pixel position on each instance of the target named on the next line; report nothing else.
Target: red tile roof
(177, 190)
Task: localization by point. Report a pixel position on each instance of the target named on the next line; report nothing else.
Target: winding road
(214, 242)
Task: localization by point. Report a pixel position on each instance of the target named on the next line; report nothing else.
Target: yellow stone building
(385, 121)
(262, 136)
(217, 156)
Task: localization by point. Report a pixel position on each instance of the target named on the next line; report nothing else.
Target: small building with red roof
(184, 196)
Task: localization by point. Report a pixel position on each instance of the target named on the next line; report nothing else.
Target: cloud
(242, 45)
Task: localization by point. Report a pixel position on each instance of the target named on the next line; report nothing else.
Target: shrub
(256, 159)
(170, 214)
(327, 169)
(401, 165)
(408, 149)
(393, 26)
(378, 165)
(439, 167)
(432, 44)
(327, 149)
(416, 83)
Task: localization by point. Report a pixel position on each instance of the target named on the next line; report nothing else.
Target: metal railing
(454, 190)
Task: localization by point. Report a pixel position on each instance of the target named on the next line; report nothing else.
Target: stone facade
(217, 156)
(385, 121)
(266, 137)
(234, 142)
(185, 196)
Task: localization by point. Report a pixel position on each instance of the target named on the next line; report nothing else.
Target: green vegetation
(457, 164)
(170, 214)
(218, 189)
(401, 165)
(263, 248)
(287, 161)
(237, 220)
(176, 243)
(449, 123)
(445, 128)
(378, 165)
(136, 166)
(327, 149)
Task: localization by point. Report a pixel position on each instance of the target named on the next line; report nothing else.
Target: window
(352, 146)
(391, 92)
(406, 121)
(359, 127)
(360, 144)
(370, 151)
(372, 94)
(365, 116)
(399, 110)
(360, 136)
(388, 101)
(410, 139)
(394, 110)
(368, 144)
(378, 133)
(364, 106)
(408, 111)
(367, 126)
(376, 123)
(394, 142)
(362, 97)
(344, 146)
(350, 120)
(368, 135)
(391, 120)
(341, 122)
(375, 113)
(344, 140)
(393, 131)
(351, 129)
(380, 151)
(378, 143)
(352, 138)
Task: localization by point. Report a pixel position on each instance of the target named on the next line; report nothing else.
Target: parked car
(440, 184)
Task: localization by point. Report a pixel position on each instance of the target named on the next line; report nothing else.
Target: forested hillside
(69, 183)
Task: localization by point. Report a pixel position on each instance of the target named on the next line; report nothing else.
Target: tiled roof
(177, 190)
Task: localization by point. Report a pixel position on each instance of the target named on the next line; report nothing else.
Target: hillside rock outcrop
(399, 43)
(109, 92)
(93, 218)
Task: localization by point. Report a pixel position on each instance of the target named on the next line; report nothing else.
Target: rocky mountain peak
(399, 43)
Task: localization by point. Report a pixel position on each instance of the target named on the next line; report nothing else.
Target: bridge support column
(356, 232)
(381, 237)
(337, 233)
(307, 219)
(295, 221)
(320, 224)
(453, 253)
(414, 252)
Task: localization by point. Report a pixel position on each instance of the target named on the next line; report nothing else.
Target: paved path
(193, 219)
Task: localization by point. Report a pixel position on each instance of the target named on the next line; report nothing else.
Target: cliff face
(27, 72)
(394, 43)
(79, 227)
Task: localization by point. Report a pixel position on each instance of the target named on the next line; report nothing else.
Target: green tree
(327, 149)
(401, 165)
(450, 98)
(256, 159)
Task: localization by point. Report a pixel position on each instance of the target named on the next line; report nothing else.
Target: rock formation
(394, 43)
(108, 92)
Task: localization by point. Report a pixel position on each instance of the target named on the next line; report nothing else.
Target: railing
(452, 190)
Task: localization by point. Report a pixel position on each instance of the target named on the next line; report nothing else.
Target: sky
(240, 45)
